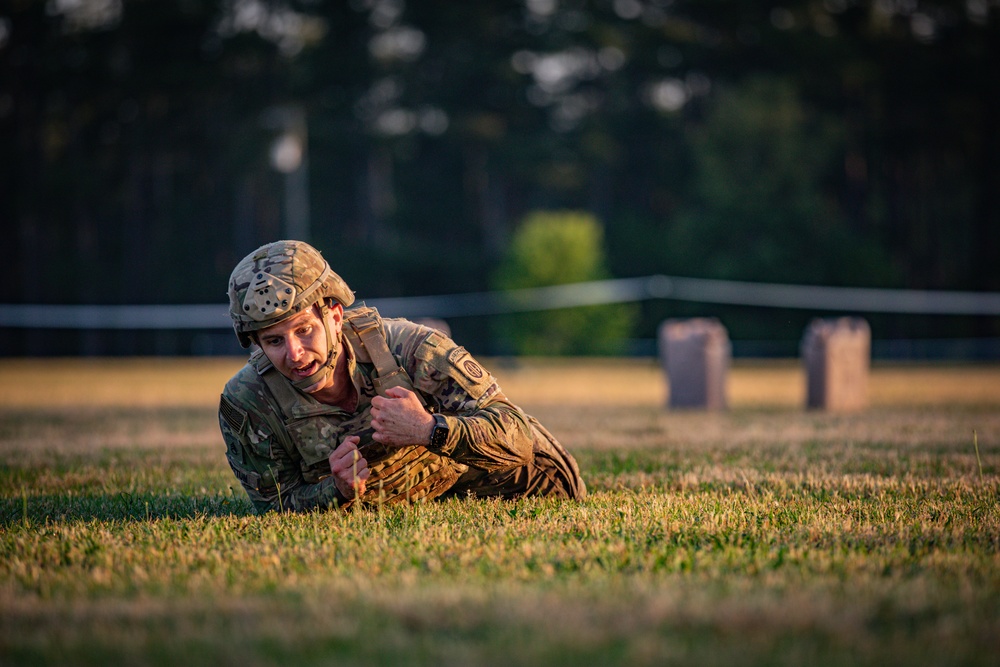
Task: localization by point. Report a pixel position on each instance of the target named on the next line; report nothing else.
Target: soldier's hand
(399, 419)
(349, 468)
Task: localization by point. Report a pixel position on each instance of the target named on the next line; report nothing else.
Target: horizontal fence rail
(600, 292)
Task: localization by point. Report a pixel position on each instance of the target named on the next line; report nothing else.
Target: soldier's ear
(335, 307)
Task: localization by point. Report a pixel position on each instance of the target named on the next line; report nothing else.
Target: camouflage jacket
(278, 438)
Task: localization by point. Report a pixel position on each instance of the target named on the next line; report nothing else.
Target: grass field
(763, 535)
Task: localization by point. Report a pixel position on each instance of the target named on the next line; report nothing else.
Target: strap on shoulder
(366, 328)
(360, 318)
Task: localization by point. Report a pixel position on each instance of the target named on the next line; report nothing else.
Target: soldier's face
(298, 347)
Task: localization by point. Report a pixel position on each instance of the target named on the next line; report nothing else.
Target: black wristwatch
(439, 436)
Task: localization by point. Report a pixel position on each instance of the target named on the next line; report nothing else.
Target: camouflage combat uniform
(278, 438)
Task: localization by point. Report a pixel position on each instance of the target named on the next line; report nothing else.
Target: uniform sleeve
(486, 430)
(271, 478)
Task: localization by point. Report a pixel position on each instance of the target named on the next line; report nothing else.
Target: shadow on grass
(123, 507)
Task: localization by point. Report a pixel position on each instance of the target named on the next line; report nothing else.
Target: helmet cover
(278, 281)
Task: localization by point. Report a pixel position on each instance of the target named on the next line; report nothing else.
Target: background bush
(557, 248)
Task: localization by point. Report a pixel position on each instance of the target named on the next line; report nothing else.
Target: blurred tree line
(145, 146)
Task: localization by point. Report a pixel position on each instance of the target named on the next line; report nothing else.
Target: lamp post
(289, 155)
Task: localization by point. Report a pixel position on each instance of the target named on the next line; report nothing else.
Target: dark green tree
(759, 210)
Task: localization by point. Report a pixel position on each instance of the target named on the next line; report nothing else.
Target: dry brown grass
(751, 383)
(133, 383)
(195, 382)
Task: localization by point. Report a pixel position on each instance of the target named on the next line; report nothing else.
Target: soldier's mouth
(305, 371)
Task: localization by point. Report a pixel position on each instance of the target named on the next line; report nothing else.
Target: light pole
(290, 156)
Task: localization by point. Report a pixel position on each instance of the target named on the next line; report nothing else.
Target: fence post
(836, 354)
(695, 355)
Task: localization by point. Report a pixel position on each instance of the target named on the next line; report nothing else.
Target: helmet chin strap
(328, 367)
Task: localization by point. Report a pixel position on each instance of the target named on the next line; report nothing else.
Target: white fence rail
(624, 290)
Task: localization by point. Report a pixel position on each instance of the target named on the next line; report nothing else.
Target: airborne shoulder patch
(469, 373)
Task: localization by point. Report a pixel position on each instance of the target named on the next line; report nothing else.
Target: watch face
(439, 435)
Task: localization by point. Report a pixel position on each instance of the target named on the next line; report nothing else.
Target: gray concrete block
(695, 355)
(836, 354)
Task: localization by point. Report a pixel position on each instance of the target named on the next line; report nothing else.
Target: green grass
(766, 535)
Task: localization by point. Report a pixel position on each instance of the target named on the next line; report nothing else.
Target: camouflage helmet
(278, 281)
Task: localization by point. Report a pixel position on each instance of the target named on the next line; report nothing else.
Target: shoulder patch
(461, 359)
(469, 373)
(234, 416)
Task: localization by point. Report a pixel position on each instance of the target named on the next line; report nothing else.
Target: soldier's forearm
(493, 439)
